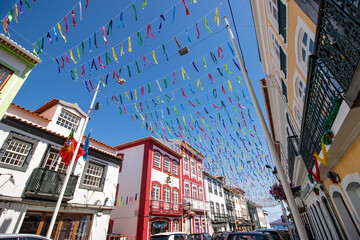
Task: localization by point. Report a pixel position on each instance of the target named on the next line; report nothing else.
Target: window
(275, 46)
(209, 185)
(212, 209)
(93, 175)
(300, 90)
(167, 164)
(283, 62)
(166, 194)
(5, 75)
(156, 192)
(187, 189)
(68, 120)
(220, 191)
(194, 191)
(217, 208)
(282, 20)
(157, 160)
(193, 171)
(273, 9)
(199, 172)
(175, 196)
(298, 116)
(54, 162)
(223, 209)
(186, 165)
(284, 90)
(17, 151)
(307, 48)
(215, 188)
(175, 226)
(201, 194)
(175, 168)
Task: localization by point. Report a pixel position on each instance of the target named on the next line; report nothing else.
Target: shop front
(67, 226)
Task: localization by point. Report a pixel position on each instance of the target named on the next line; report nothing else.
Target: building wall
(21, 68)
(125, 216)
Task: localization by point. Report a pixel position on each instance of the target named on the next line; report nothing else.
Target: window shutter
(282, 19)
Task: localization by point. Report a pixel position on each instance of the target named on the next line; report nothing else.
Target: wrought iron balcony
(196, 205)
(331, 70)
(229, 203)
(47, 184)
(162, 207)
(219, 217)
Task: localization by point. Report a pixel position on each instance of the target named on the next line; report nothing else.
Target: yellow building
(309, 98)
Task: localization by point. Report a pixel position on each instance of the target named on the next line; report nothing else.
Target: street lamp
(189, 208)
(276, 174)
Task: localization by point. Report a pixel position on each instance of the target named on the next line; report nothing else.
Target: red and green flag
(67, 151)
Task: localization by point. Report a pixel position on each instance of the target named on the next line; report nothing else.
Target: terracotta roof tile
(57, 134)
(47, 106)
(19, 49)
(26, 110)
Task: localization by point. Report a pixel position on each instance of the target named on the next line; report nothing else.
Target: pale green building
(16, 63)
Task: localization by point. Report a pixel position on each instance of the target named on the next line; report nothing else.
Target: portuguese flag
(67, 151)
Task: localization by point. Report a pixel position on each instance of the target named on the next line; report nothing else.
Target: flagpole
(57, 207)
(289, 196)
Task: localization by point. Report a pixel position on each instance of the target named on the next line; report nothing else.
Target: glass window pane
(305, 39)
(31, 223)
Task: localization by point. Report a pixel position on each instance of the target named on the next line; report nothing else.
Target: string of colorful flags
(111, 54)
(126, 200)
(14, 13)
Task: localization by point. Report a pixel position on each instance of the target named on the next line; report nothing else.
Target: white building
(214, 192)
(32, 174)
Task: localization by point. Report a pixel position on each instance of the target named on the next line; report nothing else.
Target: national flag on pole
(86, 146)
(67, 151)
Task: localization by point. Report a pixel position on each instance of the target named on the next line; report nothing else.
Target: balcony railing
(47, 184)
(231, 219)
(228, 203)
(331, 70)
(196, 205)
(162, 207)
(219, 217)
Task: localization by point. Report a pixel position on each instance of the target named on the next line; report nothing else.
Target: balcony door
(156, 197)
(53, 161)
(167, 201)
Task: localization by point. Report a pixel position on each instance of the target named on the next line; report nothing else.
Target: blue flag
(86, 146)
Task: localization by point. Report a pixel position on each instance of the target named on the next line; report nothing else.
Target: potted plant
(277, 191)
(189, 214)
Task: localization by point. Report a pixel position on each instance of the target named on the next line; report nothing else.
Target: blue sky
(157, 105)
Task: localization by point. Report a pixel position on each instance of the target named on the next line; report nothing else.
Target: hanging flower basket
(168, 179)
(189, 214)
(277, 191)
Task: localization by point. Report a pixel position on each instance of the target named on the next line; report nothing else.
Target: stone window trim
(52, 148)
(103, 177)
(21, 137)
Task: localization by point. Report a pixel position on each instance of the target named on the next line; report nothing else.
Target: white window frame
(94, 177)
(157, 160)
(156, 192)
(193, 168)
(187, 189)
(53, 161)
(175, 226)
(215, 188)
(201, 194)
(186, 165)
(199, 172)
(302, 28)
(167, 195)
(68, 120)
(167, 164)
(272, 6)
(175, 196)
(175, 168)
(194, 190)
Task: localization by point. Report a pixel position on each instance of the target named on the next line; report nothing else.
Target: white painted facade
(213, 189)
(96, 204)
(138, 178)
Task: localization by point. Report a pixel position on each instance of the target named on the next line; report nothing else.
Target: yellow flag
(114, 55)
(72, 57)
(129, 39)
(61, 32)
(153, 52)
(217, 16)
(16, 13)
